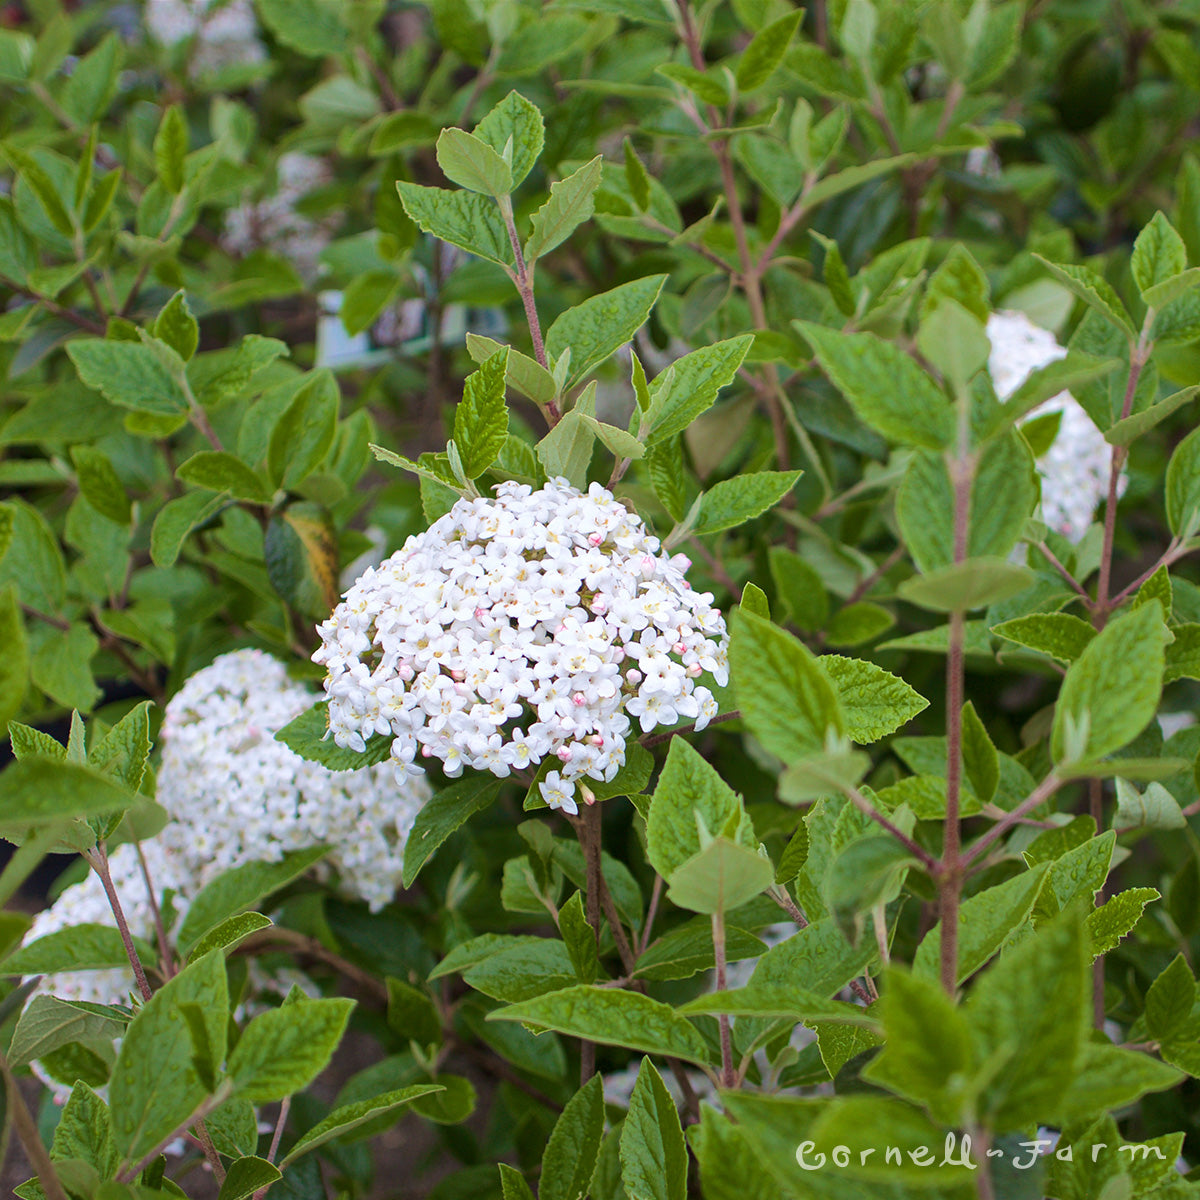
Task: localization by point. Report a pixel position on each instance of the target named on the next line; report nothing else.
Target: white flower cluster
(1075, 468)
(532, 625)
(226, 33)
(237, 795)
(273, 221)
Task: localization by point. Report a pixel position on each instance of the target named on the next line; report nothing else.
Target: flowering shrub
(599, 600)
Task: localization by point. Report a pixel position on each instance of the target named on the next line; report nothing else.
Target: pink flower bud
(563, 754)
(589, 797)
(695, 670)
(679, 648)
(579, 699)
(634, 675)
(595, 539)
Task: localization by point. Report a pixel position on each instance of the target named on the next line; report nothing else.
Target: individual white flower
(226, 33)
(1075, 468)
(272, 222)
(567, 601)
(237, 795)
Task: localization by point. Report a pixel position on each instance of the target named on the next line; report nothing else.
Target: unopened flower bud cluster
(541, 624)
(1075, 468)
(226, 35)
(273, 221)
(237, 795)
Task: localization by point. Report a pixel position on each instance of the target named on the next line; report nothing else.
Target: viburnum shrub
(599, 599)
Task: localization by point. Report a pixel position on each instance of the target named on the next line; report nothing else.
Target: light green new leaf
(481, 418)
(155, 1084)
(281, 1051)
(464, 219)
(130, 374)
(220, 471)
(884, 386)
(38, 791)
(601, 324)
(100, 484)
(613, 1018)
(572, 201)
(237, 889)
(1094, 290)
(1183, 487)
(1060, 635)
(517, 121)
(305, 431)
(1111, 691)
(732, 502)
(473, 164)
(441, 816)
(689, 386)
(48, 1023)
(76, 948)
(1158, 254)
(170, 149)
(348, 1117)
(875, 703)
(247, 1175)
(785, 697)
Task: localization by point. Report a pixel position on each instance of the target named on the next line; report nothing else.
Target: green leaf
(874, 702)
(93, 82)
(1031, 1013)
(689, 386)
(800, 590)
(928, 1046)
(155, 1084)
(601, 324)
(723, 876)
(1094, 290)
(1183, 487)
(235, 890)
(818, 959)
(245, 1176)
(688, 949)
(473, 164)
(48, 1023)
(613, 1018)
(574, 1145)
(566, 451)
(176, 519)
(765, 52)
(84, 1133)
(884, 386)
(779, 1002)
(525, 374)
(975, 583)
(313, 27)
(464, 219)
(986, 922)
(281, 1051)
(481, 418)
(1116, 917)
(512, 1184)
(518, 121)
(1061, 375)
(1158, 254)
(129, 374)
(1111, 692)
(176, 326)
(1110, 1077)
(981, 763)
(304, 432)
(220, 471)
(76, 948)
(99, 483)
(170, 149)
(1156, 808)
(572, 201)
(654, 1163)
(579, 938)
(300, 552)
(349, 1117)
(39, 182)
(1169, 1000)
(1127, 431)
(786, 699)
(1059, 635)
(230, 932)
(636, 177)
(733, 502)
(305, 735)
(14, 666)
(233, 370)
(38, 791)
(412, 1013)
(440, 817)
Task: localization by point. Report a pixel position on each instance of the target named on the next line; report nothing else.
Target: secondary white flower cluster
(1075, 468)
(273, 221)
(237, 795)
(536, 624)
(226, 33)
